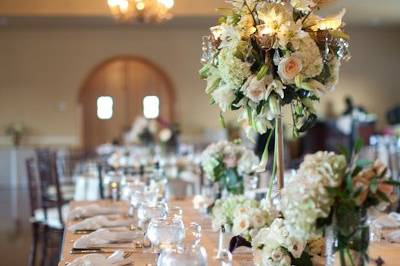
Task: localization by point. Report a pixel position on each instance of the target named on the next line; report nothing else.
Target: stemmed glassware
(146, 212)
(141, 196)
(166, 233)
(193, 254)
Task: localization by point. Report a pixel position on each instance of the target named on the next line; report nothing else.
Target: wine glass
(165, 233)
(145, 196)
(194, 254)
(146, 212)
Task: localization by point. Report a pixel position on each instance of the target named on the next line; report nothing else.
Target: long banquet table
(389, 252)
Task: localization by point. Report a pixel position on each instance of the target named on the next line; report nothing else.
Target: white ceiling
(364, 12)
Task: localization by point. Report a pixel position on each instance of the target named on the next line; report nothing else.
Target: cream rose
(289, 68)
(255, 89)
(258, 220)
(241, 224)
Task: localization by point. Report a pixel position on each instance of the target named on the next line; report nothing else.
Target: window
(105, 107)
(151, 107)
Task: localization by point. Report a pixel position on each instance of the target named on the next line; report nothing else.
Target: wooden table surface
(389, 252)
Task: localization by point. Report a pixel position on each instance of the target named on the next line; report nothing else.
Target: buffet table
(389, 252)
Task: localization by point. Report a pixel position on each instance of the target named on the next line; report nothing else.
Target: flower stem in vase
(279, 150)
(223, 254)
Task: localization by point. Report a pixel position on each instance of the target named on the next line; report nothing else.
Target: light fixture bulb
(112, 3)
(167, 3)
(140, 6)
(146, 11)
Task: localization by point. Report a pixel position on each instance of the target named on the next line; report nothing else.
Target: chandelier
(141, 10)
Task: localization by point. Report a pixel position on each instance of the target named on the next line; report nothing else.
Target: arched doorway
(113, 94)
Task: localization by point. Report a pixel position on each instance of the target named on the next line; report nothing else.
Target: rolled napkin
(104, 237)
(391, 220)
(98, 222)
(393, 236)
(395, 215)
(90, 211)
(116, 259)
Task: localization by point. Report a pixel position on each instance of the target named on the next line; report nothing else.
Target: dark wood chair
(34, 200)
(51, 195)
(53, 206)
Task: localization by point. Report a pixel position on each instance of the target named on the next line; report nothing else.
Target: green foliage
(358, 145)
(233, 182)
(235, 104)
(222, 120)
(262, 72)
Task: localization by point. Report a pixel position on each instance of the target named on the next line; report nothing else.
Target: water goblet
(165, 233)
(146, 212)
(193, 254)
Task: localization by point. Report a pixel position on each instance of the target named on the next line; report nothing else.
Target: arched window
(151, 107)
(105, 107)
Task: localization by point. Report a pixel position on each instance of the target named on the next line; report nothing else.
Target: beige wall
(42, 69)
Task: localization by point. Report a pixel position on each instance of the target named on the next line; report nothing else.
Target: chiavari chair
(34, 201)
(54, 206)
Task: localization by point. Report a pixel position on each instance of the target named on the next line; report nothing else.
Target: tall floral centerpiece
(143, 131)
(266, 54)
(332, 194)
(227, 163)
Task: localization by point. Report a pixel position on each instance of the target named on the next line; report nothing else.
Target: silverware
(91, 251)
(83, 232)
(130, 227)
(97, 251)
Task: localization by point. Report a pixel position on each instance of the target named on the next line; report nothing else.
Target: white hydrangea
(326, 168)
(273, 245)
(305, 198)
(233, 70)
(308, 51)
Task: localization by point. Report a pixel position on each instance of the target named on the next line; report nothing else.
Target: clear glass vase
(223, 254)
(347, 240)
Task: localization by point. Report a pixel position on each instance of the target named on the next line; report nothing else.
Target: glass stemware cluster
(162, 225)
(191, 254)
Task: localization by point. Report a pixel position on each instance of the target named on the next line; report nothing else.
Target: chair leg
(44, 245)
(33, 251)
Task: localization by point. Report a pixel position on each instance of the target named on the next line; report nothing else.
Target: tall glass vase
(347, 240)
(224, 239)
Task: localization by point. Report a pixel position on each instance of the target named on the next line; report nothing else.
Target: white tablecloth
(86, 188)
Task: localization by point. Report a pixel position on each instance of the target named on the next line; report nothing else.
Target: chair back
(69, 164)
(100, 170)
(51, 196)
(33, 186)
